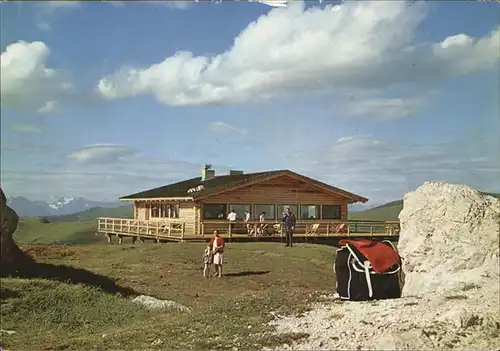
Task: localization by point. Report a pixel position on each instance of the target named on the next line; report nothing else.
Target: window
(215, 211)
(309, 212)
(268, 209)
(240, 210)
(293, 208)
(331, 212)
(165, 211)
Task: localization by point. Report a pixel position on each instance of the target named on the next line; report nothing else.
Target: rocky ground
(451, 297)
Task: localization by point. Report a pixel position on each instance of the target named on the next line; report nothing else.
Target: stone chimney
(235, 172)
(207, 172)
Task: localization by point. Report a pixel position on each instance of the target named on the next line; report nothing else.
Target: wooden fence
(176, 230)
(141, 229)
(308, 228)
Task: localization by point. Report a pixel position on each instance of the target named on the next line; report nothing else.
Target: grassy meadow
(62, 312)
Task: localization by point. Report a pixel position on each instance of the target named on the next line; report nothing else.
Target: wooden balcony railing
(147, 229)
(308, 228)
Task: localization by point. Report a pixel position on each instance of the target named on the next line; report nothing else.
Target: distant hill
(389, 211)
(125, 211)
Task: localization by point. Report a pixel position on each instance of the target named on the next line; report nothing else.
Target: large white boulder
(449, 239)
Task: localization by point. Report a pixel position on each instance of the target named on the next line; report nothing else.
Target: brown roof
(223, 182)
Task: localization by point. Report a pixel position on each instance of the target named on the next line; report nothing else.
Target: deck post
(120, 239)
(183, 230)
(371, 229)
(109, 238)
(202, 229)
(328, 229)
(348, 229)
(169, 229)
(230, 232)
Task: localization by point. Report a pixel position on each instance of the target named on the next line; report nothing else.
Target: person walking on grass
(208, 258)
(289, 221)
(217, 246)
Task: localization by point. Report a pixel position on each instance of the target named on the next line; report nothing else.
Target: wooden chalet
(197, 206)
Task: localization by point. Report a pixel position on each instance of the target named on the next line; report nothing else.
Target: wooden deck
(175, 230)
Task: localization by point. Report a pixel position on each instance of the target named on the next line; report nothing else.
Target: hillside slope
(32, 231)
(389, 211)
(126, 211)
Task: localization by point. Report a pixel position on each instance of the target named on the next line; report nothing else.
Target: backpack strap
(368, 278)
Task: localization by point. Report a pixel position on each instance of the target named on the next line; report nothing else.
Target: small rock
(8, 332)
(153, 303)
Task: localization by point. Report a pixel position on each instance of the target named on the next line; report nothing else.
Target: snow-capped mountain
(57, 202)
(56, 206)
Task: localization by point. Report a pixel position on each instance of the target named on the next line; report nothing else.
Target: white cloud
(384, 170)
(27, 81)
(221, 127)
(99, 181)
(386, 108)
(48, 10)
(25, 128)
(49, 107)
(353, 46)
(101, 154)
(179, 5)
(114, 3)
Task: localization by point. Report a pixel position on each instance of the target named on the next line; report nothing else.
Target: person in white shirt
(231, 217)
(262, 226)
(247, 225)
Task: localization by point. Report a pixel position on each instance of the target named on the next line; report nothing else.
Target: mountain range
(57, 206)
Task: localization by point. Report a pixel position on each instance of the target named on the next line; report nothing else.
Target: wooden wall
(139, 210)
(283, 190)
(187, 213)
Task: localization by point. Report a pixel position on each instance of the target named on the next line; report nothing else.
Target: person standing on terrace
(231, 217)
(289, 221)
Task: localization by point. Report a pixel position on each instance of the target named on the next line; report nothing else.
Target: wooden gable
(281, 189)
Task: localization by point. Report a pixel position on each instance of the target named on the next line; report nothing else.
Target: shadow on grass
(246, 273)
(66, 274)
(7, 293)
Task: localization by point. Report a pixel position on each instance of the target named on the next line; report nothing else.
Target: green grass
(226, 313)
(387, 212)
(51, 308)
(31, 230)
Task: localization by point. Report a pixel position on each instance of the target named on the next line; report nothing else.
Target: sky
(105, 99)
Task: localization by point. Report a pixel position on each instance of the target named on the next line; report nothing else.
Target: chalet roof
(196, 188)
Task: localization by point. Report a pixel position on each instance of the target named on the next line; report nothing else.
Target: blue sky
(101, 100)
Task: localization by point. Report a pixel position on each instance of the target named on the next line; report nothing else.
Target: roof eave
(175, 198)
